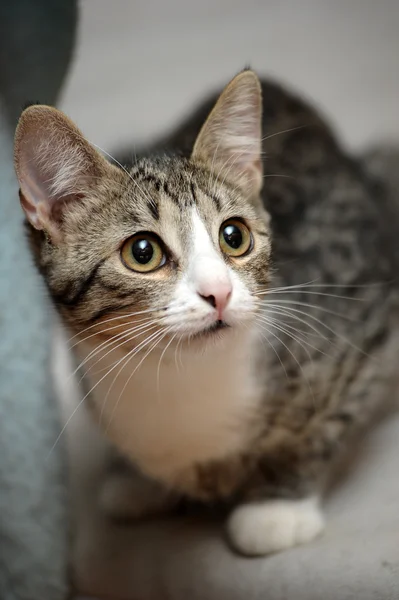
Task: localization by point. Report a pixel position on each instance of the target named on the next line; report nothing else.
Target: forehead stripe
(215, 200)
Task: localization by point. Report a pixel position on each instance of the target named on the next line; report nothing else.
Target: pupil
(232, 236)
(142, 251)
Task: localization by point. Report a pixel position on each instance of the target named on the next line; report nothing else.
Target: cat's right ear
(230, 141)
(55, 165)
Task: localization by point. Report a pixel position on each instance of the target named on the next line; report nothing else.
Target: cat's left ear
(230, 141)
(55, 166)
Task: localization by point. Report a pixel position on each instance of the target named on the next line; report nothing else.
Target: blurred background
(140, 65)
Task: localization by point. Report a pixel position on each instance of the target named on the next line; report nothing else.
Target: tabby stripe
(115, 289)
(152, 204)
(105, 311)
(216, 201)
(158, 184)
(171, 195)
(84, 286)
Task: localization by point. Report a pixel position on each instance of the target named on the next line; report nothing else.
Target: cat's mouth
(213, 329)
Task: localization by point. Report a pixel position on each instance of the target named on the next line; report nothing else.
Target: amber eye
(143, 252)
(235, 238)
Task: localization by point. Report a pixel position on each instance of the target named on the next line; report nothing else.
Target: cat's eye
(235, 238)
(143, 253)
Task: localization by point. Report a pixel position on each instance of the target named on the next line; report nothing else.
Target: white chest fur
(168, 416)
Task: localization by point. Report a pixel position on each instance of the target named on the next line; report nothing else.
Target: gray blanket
(36, 39)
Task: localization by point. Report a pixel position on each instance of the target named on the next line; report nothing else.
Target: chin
(216, 330)
(216, 333)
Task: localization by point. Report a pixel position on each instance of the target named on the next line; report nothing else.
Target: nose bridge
(209, 274)
(210, 270)
(213, 284)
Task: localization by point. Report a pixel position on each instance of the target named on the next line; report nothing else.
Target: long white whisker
(124, 316)
(102, 331)
(335, 333)
(295, 359)
(125, 360)
(158, 336)
(294, 336)
(160, 361)
(116, 338)
(311, 293)
(80, 404)
(313, 284)
(120, 340)
(286, 312)
(176, 352)
(272, 135)
(308, 305)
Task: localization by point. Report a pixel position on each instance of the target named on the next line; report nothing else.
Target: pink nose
(217, 295)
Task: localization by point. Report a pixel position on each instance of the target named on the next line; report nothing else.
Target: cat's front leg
(271, 512)
(275, 489)
(280, 503)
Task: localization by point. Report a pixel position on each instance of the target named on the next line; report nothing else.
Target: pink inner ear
(39, 167)
(54, 164)
(29, 210)
(230, 139)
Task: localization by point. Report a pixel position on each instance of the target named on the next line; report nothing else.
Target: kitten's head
(177, 246)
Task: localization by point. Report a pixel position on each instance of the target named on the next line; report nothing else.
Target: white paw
(274, 525)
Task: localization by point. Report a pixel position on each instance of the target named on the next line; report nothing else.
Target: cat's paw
(274, 525)
(126, 498)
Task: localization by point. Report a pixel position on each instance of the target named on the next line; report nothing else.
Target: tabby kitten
(231, 297)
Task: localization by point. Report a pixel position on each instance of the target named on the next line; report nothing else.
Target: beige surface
(139, 64)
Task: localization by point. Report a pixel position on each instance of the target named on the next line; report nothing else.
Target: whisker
(119, 340)
(125, 360)
(288, 291)
(127, 316)
(297, 128)
(102, 331)
(287, 313)
(277, 175)
(313, 284)
(158, 339)
(294, 337)
(117, 337)
(335, 333)
(80, 404)
(284, 327)
(297, 337)
(160, 361)
(295, 359)
(316, 307)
